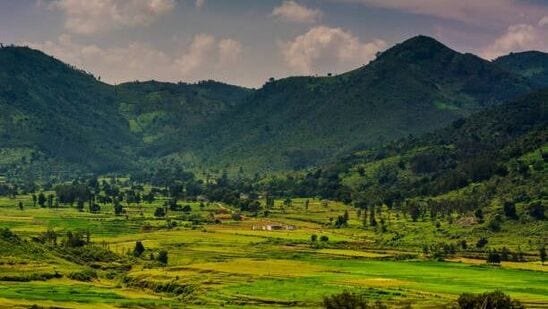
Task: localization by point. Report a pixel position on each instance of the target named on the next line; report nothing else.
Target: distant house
(274, 227)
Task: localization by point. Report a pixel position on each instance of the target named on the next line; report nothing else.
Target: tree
(50, 200)
(21, 205)
(347, 300)
(536, 210)
(489, 300)
(118, 209)
(481, 242)
(479, 215)
(313, 237)
(34, 200)
(324, 238)
(162, 257)
(41, 200)
(542, 254)
(510, 210)
(139, 249)
(372, 220)
(493, 257)
(159, 212)
(80, 204)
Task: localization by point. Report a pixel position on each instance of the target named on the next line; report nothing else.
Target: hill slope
(533, 65)
(497, 155)
(57, 118)
(412, 88)
(52, 110)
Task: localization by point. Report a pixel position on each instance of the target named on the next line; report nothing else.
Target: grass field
(231, 264)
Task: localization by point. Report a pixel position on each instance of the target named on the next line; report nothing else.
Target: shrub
(489, 300)
(494, 257)
(482, 242)
(159, 212)
(162, 257)
(84, 275)
(345, 300)
(349, 300)
(324, 238)
(139, 249)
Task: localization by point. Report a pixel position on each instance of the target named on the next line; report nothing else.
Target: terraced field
(230, 264)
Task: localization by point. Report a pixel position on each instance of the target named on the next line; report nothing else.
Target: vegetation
(294, 123)
(159, 195)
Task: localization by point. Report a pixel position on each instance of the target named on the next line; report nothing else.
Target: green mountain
(498, 154)
(57, 119)
(165, 116)
(412, 88)
(533, 65)
(55, 113)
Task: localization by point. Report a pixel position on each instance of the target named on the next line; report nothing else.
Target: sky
(245, 42)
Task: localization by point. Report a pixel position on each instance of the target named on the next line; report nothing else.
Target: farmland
(227, 263)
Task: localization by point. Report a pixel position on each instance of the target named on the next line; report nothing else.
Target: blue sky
(247, 41)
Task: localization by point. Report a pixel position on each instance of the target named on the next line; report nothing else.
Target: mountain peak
(418, 48)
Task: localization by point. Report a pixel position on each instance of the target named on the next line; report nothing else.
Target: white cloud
(291, 11)
(517, 38)
(205, 58)
(323, 49)
(478, 12)
(93, 16)
(199, 3)
(543, 21)
(207, 54)
(201, 49)
(230, 52)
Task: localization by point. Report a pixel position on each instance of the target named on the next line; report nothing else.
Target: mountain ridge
(292, 123)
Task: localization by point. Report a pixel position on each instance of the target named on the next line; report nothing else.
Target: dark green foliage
(61, 119)
(58, 112)
(118, 209)
(139, 249)
(493, 257)
(536, 210)
(412, 88)
(324, 238)
(510, 210)
(482, 242)
(162, 257)
(159, 212)
(84, 275)
(348, 300)
(345, 300)
(533, 65)
(489, 300)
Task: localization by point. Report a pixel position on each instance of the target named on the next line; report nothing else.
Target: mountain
(412, 88)
(56, 118)
(51, 110)
(59, 119)
(498, 155)
(165, 116)
(533, 65)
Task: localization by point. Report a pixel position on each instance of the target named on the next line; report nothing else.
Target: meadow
(229, 263)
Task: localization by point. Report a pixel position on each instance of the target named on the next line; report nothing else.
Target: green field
(231, 264)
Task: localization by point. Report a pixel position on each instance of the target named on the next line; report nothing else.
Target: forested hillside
(533, 65)
(412, 88)
(56, 118)
(495, 160)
